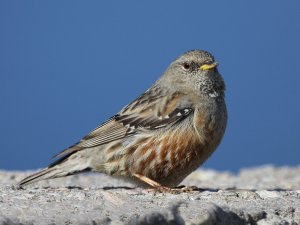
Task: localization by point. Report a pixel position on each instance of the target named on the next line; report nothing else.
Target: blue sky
(66, 66)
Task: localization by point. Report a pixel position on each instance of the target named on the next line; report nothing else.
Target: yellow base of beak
(208, 66)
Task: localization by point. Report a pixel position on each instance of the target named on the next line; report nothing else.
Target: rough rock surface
(263, 195)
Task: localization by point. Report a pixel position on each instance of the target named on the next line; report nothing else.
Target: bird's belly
(168, 159)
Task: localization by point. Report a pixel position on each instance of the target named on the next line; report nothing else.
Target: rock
(263, 195)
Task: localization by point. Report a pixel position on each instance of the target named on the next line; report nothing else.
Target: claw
(188, 188)
(177, 190)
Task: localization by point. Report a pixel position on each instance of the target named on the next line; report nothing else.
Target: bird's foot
(163, 189)
(177, 190)
(183, 188)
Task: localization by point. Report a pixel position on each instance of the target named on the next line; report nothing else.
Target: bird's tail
(44, 174)
(61, 168)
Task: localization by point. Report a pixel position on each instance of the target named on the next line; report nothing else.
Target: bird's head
(196, 69)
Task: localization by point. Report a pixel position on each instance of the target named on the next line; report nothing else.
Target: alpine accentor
(159, 138)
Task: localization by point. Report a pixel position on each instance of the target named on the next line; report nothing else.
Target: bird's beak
(209, 66)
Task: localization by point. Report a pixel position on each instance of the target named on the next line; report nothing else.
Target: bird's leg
(147, 180)
(157, 186)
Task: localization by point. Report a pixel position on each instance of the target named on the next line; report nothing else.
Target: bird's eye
(186, 66)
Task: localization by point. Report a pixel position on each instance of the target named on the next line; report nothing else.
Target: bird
(159, 138)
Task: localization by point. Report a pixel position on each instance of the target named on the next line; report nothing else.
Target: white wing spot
(186, 111)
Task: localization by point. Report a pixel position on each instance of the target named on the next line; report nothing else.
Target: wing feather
(152, 110)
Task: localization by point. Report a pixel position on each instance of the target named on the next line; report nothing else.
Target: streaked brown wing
(152, 110)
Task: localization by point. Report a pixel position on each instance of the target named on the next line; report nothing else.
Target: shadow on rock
(212, 215)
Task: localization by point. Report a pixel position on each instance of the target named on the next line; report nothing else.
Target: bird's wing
(152, 110)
